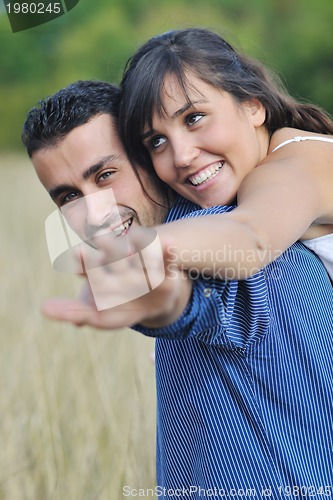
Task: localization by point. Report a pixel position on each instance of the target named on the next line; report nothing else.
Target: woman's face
(204, 148)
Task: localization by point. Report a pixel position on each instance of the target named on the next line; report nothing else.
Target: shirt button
(207, 292)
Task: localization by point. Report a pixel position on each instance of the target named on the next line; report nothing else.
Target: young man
(243, 368)
(72, 141)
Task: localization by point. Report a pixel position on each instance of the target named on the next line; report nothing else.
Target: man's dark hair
(55, 116)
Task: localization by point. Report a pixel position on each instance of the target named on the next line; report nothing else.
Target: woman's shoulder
(286, 135)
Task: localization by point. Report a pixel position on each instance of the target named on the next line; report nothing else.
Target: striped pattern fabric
(244, 382)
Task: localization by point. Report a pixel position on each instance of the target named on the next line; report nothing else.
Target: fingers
(80, 314)
(72, 311)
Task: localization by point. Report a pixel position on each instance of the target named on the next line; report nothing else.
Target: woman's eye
(156, 142)
(193, 118)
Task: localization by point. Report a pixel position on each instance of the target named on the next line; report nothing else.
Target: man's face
(89, 177)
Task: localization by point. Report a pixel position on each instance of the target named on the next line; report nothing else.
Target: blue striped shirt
(244, 384)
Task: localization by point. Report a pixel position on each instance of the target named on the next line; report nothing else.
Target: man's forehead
(84, 146)
(99, 128)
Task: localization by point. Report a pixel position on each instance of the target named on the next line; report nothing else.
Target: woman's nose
(184, 152)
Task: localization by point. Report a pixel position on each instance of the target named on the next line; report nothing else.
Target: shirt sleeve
(232, 313)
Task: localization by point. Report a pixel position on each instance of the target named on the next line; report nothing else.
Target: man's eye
(105, 175)
(157, 141)
(193, 118)
(68, 198)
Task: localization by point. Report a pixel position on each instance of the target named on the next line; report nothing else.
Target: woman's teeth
(206, 174)
(122, 228)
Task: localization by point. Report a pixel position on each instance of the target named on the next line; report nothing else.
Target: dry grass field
(77, 406)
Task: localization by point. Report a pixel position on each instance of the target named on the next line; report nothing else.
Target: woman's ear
(256, 111)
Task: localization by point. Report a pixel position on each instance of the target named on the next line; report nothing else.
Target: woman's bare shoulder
(287, 133)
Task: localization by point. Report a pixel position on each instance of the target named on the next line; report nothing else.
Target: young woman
(219, 130)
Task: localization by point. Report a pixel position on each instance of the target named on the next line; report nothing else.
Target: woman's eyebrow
(176, 114)
(187, 106)
(147, 134)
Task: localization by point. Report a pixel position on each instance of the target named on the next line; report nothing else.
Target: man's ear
(256, 111)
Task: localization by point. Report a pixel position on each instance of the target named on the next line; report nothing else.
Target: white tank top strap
(304, 138)
(323, 247)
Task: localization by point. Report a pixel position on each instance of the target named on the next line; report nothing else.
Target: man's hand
(119, 275)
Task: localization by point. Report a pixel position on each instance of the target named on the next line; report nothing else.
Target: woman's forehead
(190, 87)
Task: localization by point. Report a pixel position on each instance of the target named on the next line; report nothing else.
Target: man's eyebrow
(57, 191)
(62, 188)
(97, 166)
(176, 114)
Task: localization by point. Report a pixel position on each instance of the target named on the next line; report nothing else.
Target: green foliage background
(95, 39)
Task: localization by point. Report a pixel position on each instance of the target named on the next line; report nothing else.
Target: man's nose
(97, 209)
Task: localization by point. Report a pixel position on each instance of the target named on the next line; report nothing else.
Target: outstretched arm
(277, 202)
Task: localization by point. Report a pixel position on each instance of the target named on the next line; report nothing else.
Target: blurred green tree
(94, 40)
